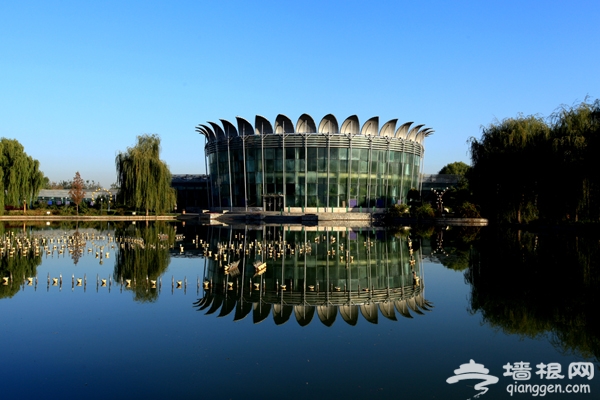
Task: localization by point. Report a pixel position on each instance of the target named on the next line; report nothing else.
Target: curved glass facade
(308, 167)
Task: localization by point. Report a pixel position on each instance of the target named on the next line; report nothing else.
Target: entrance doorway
(273, 202)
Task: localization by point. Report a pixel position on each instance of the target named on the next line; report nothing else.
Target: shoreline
(366, 219)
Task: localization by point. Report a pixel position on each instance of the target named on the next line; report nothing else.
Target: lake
(124, 310)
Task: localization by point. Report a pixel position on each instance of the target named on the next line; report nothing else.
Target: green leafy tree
(77, 193)
(144, 180)
(455, 168)
(20, 175)
(461, 170)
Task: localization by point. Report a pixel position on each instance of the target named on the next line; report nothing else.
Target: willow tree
(20, 175)
(507, 164)
(525, 169)
(145, 180)
(575, 149)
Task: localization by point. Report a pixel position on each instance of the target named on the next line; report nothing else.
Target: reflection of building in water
(311, 270)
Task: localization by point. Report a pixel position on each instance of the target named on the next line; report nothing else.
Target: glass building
(308, 168)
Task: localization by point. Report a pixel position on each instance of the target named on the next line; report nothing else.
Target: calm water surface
(349, 324)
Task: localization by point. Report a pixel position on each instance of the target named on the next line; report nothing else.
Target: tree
(507, 164)
(460, 192)
(145, 180)
(455, 168)
(20, 175)
(574, 153)
(526, 169)
(76, 193)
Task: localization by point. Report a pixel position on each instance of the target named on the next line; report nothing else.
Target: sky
(80, 80)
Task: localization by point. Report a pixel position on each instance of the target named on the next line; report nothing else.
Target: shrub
(468, 210)
(424, 211)
(398, 210)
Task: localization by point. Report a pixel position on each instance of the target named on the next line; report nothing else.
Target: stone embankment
(442, 221)
(324, 218)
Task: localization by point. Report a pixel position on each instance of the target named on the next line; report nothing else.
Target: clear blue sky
(79, 80)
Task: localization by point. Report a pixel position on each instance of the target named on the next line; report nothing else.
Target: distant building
(439, 182)
(192, 193)
(305, 167)
(61, 196)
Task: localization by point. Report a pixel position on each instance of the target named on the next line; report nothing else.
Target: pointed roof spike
(283, 125)
(219, 133)
(244, 127)
(402, 131)
(211, 134)
(199, 129)
(262, 126)
(329, 124)
(229, 129)
(387, 130)
(350, 126)
(421, 135)
(306, 124)
(371, 127)
(413, 132)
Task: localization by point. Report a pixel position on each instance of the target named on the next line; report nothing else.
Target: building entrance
(272, 202)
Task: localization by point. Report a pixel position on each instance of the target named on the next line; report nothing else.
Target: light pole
(439, 199)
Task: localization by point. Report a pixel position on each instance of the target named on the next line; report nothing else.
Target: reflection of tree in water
(77, 246)
(143, 256)
(539, 286)
(452, 246)
(17, 267)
